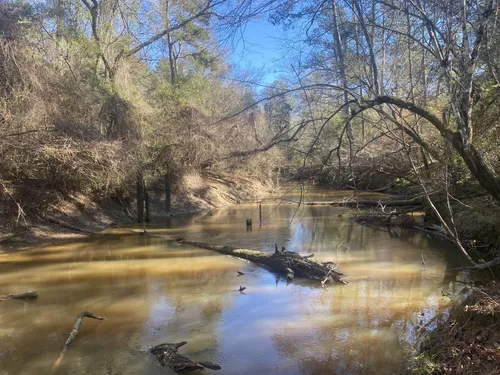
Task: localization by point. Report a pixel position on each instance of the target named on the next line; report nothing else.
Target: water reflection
(152, 290)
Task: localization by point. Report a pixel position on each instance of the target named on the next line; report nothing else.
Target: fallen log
(285, 263)
(366, 203)
(352, 202)
(25, 296)
(168, 355)
(74, 332)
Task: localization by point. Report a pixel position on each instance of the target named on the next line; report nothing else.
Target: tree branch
(210, 4)
(285, 92)
(433, 119)
(271, 144)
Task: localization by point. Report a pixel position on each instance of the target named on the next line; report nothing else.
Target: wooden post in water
(168, 192)
(260, 214)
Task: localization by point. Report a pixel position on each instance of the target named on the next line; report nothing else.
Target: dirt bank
(79, 216)
(468, 341)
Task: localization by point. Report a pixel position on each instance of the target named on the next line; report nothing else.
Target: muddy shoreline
(80, 218)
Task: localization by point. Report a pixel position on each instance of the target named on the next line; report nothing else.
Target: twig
(25, 296)
(127, 212)
(73, 334)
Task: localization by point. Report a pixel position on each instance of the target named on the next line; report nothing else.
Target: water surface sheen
(152, 290)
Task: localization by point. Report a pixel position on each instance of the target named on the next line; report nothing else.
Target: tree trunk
(339, 53)
(140, 198)
(60, 18)
(168, 192)
(373, 61)
(484, 174)
(170, 44)
(146, 201)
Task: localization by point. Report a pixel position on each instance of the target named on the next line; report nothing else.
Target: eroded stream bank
(152, 291)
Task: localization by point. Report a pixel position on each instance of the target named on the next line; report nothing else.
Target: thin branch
(210, 5)
(29, 132)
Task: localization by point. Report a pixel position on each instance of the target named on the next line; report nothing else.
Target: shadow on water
(152, 290)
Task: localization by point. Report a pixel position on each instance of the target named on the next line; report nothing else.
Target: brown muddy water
(152, 290)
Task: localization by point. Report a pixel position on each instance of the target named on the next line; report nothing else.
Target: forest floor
(77, 217)
(467, 342)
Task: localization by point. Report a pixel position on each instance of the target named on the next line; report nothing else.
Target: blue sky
(259, 48)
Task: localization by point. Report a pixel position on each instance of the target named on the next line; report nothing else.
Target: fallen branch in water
(397, 217)
(28, 295)
(168, 355)
(364, 203)
(357, 203)
(74, 332)
(286, 263)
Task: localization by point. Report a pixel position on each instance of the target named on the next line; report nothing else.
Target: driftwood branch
(25, 296)
(285, 263)
(168, 355)
(74, 332)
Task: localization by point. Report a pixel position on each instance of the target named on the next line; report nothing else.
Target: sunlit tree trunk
(373, 62)
(340, 59)
(60, 11)
(140, 197)
(170, 44)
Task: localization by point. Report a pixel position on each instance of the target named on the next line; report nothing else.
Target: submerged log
(286, 263)
(168, 355)
(26, 296)
(74, 332)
